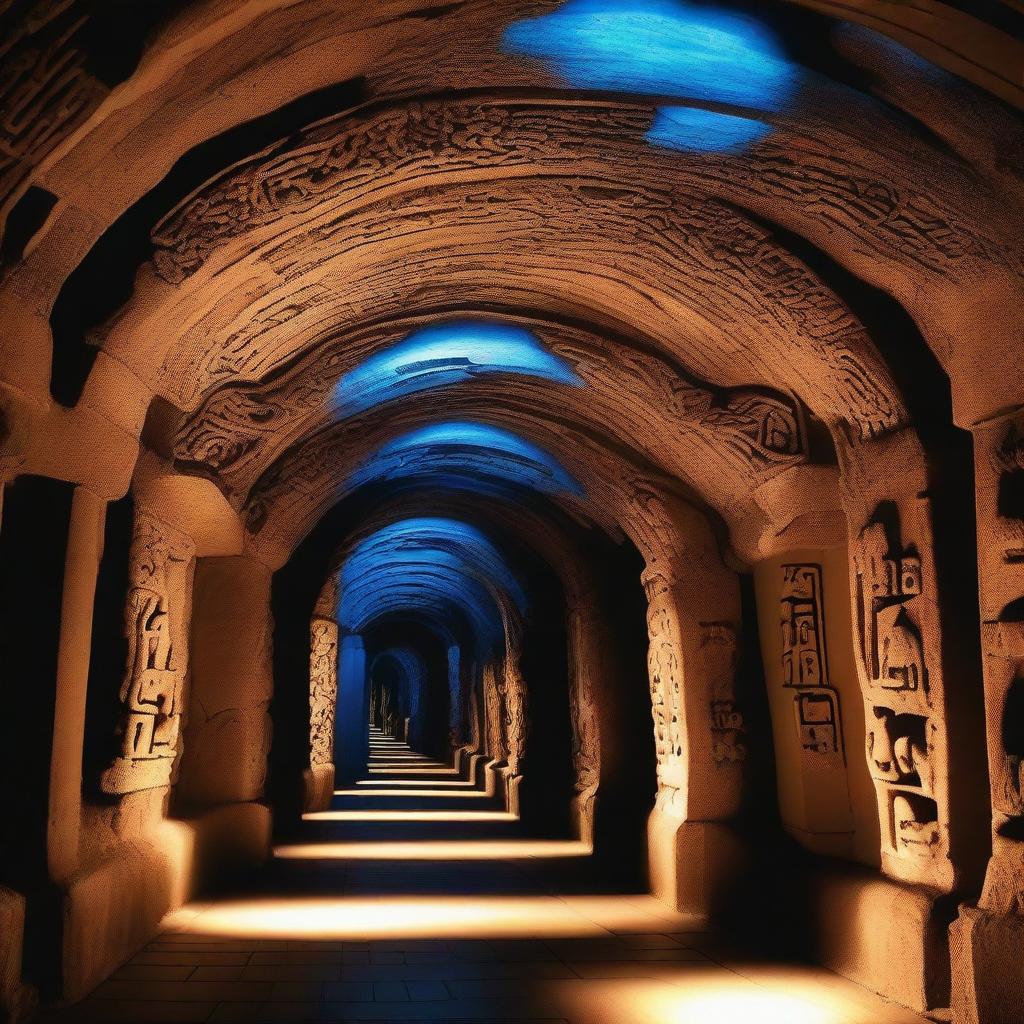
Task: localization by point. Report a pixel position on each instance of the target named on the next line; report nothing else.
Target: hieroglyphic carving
(888, 581)
(898, 748)
(805, 660)
(493, 718)
(1000, 468)
(513, 696)
(323, 689)
(161, 561)
(718, 650)
(664, 674)
(771, 422)
(915, 822)
(584, 639)
(803, 636)
(900, 734)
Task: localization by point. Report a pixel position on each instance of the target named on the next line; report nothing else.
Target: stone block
(987, 959)
(693, 864)
(17, 1000)
(888, 936)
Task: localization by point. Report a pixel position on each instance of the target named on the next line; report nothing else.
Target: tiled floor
(448, 913)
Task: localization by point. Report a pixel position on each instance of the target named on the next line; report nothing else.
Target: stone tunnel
(512, 510)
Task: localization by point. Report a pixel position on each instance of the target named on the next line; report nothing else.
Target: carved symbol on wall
(323, 690)
(803, 627)
(151, 690)
(770, 423)
(915, 822)
(805, 660)
(818, 722)
(888, 580)
(898, 748)
(718, 652)
(663, 663)
(1013, 747)
(151, 693)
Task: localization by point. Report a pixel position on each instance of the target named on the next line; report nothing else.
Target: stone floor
(417, 898)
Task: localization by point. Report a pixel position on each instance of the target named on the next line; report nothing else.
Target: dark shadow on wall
(33, 546)
(629, 762)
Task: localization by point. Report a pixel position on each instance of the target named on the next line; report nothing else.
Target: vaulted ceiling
(729, 240)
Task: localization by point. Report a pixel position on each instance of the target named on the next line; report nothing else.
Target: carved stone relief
(665, 677)
(586, 741)
(323, 689)
(718, 652)
(999, 462)
(902, 723)
(805, 662)
(156, 625)
(513, 697)
(493, 716)
(46, 90)
(888, 581)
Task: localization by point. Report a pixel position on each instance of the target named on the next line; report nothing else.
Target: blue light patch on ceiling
(470, 454)
(430, 565)
(694, 130)
(664, 48)
(447, 354)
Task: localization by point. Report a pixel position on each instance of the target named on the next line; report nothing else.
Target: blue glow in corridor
(666, 48)
(704, 131)
(430, 565)
(472, 454)
(446, 354)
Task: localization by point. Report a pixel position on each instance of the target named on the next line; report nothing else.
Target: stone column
(323, 702)
(512, 689)
(987, 940)
(494, 725)
(227, 738)
(812, 681)
(925, 809)
(157, 618)
(693, 623)
(351, 733)
(586, 657)
(84, 551)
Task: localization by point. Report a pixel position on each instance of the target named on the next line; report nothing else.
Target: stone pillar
(513, 694)
(494, 725)
(987, 940)
(227, 738)
(926, 810)
(351, 733)
(157, 617)
(583, 632)
(693, 623)
(84, 551)
(813, 693)
(323, 702)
